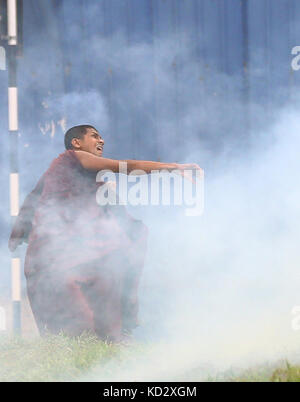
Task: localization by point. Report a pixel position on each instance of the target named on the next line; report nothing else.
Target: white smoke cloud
(217, 290)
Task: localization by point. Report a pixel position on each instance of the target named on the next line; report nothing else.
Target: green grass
(287, 374)
(52, 358)
(62, 358)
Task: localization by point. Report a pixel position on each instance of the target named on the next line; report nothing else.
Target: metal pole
(12, 32)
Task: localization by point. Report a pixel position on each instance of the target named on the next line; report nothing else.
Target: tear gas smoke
(217, 290)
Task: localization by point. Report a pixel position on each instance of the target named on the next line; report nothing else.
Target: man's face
(91, 142)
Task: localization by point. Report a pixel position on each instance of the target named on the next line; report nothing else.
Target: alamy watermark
(295, 64)
(2, 319)
(140, 188)
(2, 58)
(295, 323)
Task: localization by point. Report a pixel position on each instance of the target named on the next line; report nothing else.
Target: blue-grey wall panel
(155, 76)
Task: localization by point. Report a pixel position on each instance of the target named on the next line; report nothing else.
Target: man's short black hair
(75, 132)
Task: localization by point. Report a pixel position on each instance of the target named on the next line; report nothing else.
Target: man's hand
(14, 242)
(186, 168)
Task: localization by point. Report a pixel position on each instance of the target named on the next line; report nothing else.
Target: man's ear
(76, 143)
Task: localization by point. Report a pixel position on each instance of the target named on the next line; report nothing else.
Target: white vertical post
(12, 22)
(12, 33)
(16, 282)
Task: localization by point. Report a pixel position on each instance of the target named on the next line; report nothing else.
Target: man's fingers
(14, 243)
(186, 174)
(191, 166)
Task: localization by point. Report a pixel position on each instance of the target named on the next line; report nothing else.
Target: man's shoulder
(62, 164)
(68, 154)
(67, 158)
(62, 173)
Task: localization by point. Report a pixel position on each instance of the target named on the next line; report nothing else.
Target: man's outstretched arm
(95, 163)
